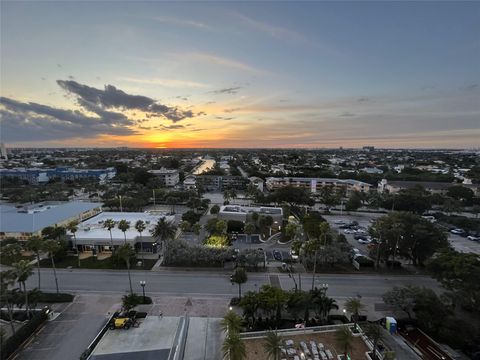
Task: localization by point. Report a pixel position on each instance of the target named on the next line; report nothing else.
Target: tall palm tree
(231, 322)
(239, 277)
(51, 247)
(124, 225)
(164, 230)
(125, 252)
(73, 227)
(109, 224)
(324, 230)
(140, 227)
(233, 347)
(23, 270)
(344, 339)
(374, 333)
(35, 244)
(354, 306)
(272, 345)
(7, 296)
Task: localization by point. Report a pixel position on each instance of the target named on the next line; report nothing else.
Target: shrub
(13, 343)
(217, 241)
(235, 226)
(234, 301)
(131, 300)
(54, 297)
(180, 253)
(214, 209)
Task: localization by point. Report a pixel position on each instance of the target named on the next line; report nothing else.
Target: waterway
(206, 165)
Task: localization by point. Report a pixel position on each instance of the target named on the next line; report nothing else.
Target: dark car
(360, 237)
(277, 255)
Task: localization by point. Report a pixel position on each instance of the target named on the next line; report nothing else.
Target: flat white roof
(92, 229)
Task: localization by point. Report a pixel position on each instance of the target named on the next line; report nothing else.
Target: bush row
(54, 297)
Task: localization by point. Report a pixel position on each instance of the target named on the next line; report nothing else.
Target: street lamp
(142, 284)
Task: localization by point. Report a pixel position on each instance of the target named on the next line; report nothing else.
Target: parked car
(473, 238)
(293, 254)
(277, 255)
(458, 232)
(363, 241)
(348, 231)
(360, 237)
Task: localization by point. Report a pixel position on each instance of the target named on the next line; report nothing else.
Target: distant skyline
(240, 74)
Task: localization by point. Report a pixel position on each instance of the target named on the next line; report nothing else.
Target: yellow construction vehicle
(123, 321)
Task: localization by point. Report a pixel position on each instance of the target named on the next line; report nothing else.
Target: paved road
(198, 283)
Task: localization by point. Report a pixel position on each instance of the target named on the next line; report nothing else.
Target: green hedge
(13, 343)
(54, 297)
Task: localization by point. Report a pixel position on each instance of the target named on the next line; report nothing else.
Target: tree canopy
(416, 238)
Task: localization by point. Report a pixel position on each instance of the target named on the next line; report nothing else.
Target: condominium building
(221, 182)
(315, 184)
(169, 177)
(41, 175)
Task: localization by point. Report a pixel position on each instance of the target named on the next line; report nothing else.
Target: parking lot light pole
(142, 284)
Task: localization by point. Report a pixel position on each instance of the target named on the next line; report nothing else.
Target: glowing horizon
(240, 75)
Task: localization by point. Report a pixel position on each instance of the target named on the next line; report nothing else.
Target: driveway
(73, 330)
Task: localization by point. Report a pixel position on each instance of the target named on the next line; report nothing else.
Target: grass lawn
(93, 263)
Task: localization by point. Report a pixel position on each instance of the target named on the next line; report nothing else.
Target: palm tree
(322, 303)
(239, 277)
(249, 229)
(272, 345)
(231, 322)
(8, 297)
(354, 306)
(109, 224)
(35, 244)
(23, 270)
(233, 347)
(51, 247)
(374, 333)
(324, 230)
(73, 227)
(140, 227)
(124, 225)
(344, 338)
(164, 230)
(125, 252)
(12, 252)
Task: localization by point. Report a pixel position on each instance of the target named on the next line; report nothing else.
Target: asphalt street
(208, 283)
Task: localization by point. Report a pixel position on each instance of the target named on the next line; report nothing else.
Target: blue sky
(273, 74)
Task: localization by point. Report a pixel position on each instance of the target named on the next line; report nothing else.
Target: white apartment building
(315, 184)
(168, 177)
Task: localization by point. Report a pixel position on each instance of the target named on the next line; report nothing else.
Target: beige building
(168, 177)
(315, 184)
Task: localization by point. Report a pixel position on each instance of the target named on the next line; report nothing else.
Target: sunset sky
(229, 74)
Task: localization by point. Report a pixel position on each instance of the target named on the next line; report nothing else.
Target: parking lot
(364, 221)
(459, 243)
(245, 239)
(283, 255)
